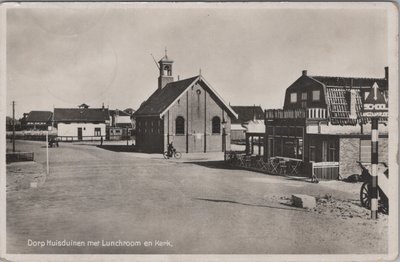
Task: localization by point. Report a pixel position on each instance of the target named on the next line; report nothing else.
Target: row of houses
(321, 121)
(82, 122)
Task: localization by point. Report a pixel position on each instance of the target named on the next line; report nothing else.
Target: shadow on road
(118, 148)
(217, 164)
(246, 204)
(302, 179)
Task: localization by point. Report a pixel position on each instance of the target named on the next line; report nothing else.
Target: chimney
(304, 73)
(102, 106)
(386, 72)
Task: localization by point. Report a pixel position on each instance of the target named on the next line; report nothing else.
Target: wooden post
(205, 120)
(374, 163)
(13, 139)
(252, 145)
(187, 122)
(47, 152)
(247, 144)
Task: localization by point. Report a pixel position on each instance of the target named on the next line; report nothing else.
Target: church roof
(162, 99)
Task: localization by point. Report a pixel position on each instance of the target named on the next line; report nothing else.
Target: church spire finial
(166, 51)
(200, 71)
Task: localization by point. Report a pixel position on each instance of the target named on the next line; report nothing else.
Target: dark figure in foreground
(171, 149)
(53, 142)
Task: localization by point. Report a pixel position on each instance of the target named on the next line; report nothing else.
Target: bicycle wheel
(178, 155)
(166, 155)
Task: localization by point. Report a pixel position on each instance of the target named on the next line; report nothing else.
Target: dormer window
(293, 97)
(316, 95)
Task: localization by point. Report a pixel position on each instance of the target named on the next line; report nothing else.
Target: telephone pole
(13, 139)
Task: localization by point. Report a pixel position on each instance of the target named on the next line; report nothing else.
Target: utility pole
(47, 152)
(13, 139)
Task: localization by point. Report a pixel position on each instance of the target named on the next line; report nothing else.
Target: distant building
(36, 120)
(189, 113)
(81, 123)
(245, 115)
(130, 111)
(120, 125)
(322, 122)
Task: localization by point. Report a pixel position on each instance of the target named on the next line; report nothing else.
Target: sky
(69, 55)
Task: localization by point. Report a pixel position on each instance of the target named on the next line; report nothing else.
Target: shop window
(289, 148)
(216, 125)
(293, 97)
(300, 148)
(312, 151)
(332, 152)
(180, 126)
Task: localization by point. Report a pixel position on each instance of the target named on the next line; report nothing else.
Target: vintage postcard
(199, 131)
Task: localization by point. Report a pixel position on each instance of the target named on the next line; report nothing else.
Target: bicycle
(175, 154)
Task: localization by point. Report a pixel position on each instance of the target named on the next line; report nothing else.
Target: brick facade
(197, 107)
(351, 151)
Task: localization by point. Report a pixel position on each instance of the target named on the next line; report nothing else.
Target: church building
(188, 112)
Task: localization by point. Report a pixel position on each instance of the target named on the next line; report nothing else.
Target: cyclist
(171, 149)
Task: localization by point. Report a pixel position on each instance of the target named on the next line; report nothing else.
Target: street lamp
(224, 138)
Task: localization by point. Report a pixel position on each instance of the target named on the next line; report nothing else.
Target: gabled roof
(247, 113)
(120, 112)
(81, 114)
(162, 99)
(39, 116)
(355, 82)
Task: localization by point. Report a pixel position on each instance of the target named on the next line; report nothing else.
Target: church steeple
(165, 71)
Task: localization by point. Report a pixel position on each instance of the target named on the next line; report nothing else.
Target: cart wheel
(166, 155)
(364, 195)
(178, 155)
(383, 204)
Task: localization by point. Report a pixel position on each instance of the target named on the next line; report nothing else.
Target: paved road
(199, 207)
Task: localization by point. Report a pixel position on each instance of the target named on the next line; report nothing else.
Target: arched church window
(180, 126)
(216, 125)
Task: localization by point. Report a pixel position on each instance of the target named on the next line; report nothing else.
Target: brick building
(322, 122)
(189, 113)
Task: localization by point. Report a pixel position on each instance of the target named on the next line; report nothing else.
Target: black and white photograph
(199, 131)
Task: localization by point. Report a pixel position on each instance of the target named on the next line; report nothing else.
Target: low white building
(83, 123)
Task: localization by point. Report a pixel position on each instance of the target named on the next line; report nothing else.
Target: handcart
(383, 186)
